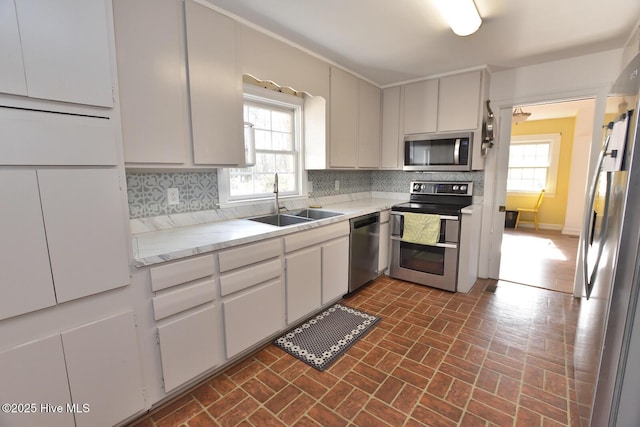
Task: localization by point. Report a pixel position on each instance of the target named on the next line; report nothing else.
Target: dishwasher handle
(361, 222)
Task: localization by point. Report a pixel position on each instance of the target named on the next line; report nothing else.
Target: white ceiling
(393, 41)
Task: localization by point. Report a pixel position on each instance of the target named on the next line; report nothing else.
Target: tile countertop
(166, 245)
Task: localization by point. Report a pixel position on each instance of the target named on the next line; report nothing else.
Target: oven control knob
(463, 188)
(455, 188)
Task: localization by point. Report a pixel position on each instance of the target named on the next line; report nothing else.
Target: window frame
(554, 140)
(258, 95)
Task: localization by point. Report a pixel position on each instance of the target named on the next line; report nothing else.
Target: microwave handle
(456, 152)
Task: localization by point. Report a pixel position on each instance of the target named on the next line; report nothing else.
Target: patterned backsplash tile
(147, 191)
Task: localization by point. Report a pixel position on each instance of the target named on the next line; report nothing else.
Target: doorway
(547, 257)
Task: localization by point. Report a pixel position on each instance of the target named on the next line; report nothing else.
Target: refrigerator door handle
(589, 223)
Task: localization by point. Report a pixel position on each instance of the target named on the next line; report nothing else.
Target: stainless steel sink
(315, 214)
(281, 220)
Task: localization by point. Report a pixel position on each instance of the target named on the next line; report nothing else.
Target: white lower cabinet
(252, 315)
(252, 294)
(35, 374)
(317, 268)
(86, 376)
(304, 283)
(335, 269)
(188, 346)
(103, 365)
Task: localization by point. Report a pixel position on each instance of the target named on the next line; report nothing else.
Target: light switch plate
(173, 196)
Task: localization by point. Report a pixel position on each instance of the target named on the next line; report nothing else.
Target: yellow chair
(533, 211)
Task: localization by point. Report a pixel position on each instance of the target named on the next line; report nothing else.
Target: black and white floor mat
(319, 341)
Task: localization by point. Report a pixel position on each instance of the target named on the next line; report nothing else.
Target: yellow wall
(553, 207)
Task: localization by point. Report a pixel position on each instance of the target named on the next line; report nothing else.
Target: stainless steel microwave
(438, 152)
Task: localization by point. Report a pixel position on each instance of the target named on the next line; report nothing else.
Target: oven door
(436, 265)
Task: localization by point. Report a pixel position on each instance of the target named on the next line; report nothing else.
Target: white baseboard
(541, 226)
(571, 231)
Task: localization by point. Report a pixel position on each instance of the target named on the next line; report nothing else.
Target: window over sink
(276, 118)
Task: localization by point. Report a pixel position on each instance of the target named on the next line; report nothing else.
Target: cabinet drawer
(173, 302)
(39, 138)
(165, 276)
(249, 254)
(250, 276)
(317, 235)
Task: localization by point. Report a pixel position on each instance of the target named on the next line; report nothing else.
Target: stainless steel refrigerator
(607, 342)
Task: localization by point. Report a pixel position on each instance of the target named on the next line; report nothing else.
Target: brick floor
(435, 359)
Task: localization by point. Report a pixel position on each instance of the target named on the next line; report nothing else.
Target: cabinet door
(152, 79)
(344, 119)
(11, 66)
(335, 269)
(215, 87)
(391, 157)
(459, 102)
(421, 107)
(369, 126)
(35, 373)
(304, 283)
(189, 347)
(103, 364)
(26, 283)
(383, 253)
(72, 62)
(251, 316)
(86, 233)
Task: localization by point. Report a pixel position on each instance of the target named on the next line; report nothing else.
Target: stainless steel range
(433, 264)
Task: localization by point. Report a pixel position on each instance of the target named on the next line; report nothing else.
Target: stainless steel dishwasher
(363, 250)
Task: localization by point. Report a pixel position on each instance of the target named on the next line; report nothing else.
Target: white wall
(580, 77)
(583, 136)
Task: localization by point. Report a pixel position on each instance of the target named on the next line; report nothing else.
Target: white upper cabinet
(12, 78)
(63, 47)
(369, 125)
(344, 119)
(421, 107)
(354, 125)
(451, 103)
(459, 102)
(215, 86)
(152, 79)
(180, 85)
(390, 151)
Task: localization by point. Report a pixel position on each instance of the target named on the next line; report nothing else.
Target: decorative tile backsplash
(399, 181)
(147, 191)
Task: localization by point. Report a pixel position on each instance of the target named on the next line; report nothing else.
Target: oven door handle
(445, 217)
(438, 245)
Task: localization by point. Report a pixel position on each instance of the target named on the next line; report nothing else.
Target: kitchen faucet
(275, 190)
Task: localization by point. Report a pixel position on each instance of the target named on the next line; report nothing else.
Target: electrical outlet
(337, 185)
(173, 196)
(309, 187)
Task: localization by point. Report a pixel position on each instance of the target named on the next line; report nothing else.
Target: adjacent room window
(276, 120)
(533, 163)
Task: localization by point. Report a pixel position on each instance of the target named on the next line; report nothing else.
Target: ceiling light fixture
(519, 116)
(461, 15)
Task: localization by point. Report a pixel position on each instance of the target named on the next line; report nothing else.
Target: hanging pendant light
(519, 116)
